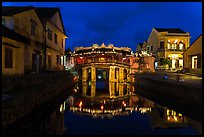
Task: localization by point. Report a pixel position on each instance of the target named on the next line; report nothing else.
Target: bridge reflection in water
(106, 108)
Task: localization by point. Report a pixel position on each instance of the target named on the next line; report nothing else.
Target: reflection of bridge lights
(80, 103)
(124, 104)
(75, 90)
(175, 118)
(102, 107)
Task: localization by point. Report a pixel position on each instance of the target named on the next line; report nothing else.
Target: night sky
(124, 24)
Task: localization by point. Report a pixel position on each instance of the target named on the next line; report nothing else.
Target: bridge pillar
(93, 89)
(93, 74)
(121, 89)
(84, 74)
(112, 74)
(121, 74)
(84, 88)
(112, 81)
(112, 89)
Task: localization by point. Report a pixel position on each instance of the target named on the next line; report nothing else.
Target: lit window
(194, 62)
(169, 46)
(180, 46)
(173, 46)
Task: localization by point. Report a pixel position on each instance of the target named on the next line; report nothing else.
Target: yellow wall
(18, 57)
(55, 49)
(195, 48)
(22, 25)
(153, 41)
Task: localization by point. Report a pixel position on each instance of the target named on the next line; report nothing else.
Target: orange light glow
(102, 107)
(80, 103)
(124, 104)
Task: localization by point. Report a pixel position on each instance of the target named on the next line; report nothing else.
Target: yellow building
(55, 37)
(25, 21)
(168, 43)
(12, 52)
(33, 23)
(193, 56)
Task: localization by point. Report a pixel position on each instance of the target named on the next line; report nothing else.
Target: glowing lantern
(80, 103)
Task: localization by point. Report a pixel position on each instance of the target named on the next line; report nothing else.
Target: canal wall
(24, 102)
(185, 95)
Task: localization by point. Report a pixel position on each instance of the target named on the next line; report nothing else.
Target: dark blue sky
(122, 23)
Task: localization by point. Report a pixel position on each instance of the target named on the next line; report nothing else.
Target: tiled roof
(170, 30)
(12, 10)
(45, 13)
(42, 12)
(6, 32)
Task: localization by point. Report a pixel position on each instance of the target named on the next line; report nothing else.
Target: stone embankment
(181, 90)
(26, 94)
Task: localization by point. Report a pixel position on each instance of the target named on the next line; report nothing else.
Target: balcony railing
(100, 60)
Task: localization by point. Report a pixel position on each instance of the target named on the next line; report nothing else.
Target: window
(49, 34)
(162, 45)
(55, 38)
(33, 26)
(173, 46)
(8, 58)
(57, 59)
(194, 62)
(62, 43)
(151, 48)
(3, 21)
(168, 45)
(180, 46)
(148, 49)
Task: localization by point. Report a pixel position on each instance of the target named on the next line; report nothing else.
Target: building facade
(193, 56)
(28, 22)
(13, 46)
(168, 45)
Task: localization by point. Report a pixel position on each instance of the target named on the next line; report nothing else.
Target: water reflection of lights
(80, 104)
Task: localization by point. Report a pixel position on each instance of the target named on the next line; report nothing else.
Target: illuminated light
(99, 77)
(180, 114)
(168, 118)
(175, 118)
(102, 54)
(102, 107)
(124, 58)
(81, 57)
(75, 90)
(80, 103)
(124, 104)
(167, 112)
(175, 41)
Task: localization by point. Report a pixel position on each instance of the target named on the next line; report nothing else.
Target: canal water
(131, 114)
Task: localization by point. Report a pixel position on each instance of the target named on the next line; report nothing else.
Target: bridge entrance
(102, 82)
